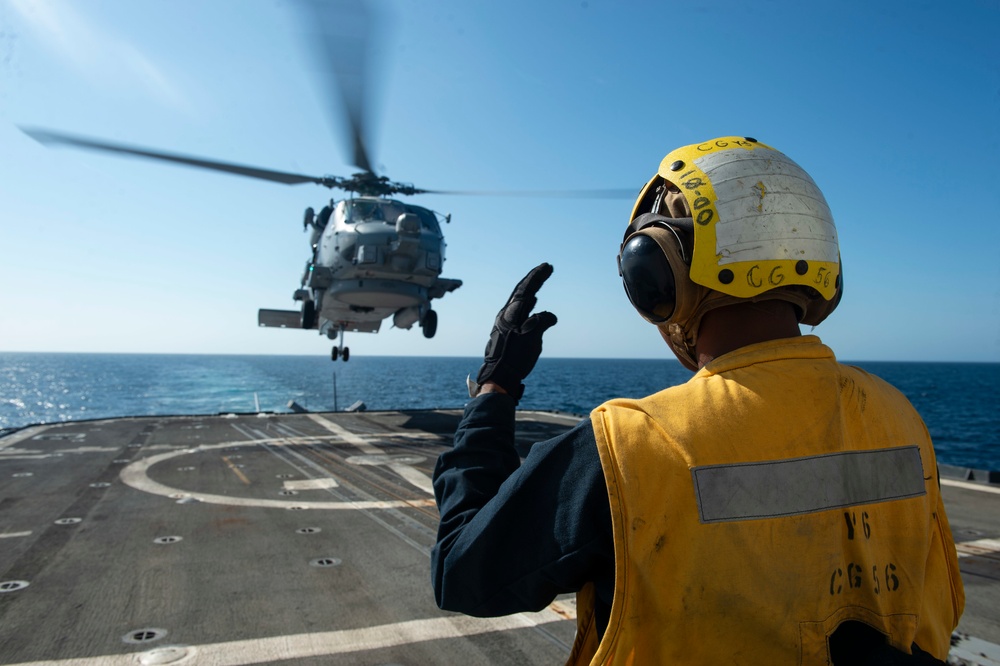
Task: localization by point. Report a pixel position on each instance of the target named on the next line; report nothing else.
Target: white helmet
(727, 221)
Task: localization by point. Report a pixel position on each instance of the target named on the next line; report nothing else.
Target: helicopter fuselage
(373, 258)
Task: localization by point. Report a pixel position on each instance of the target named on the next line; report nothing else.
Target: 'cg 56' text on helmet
(728, 221)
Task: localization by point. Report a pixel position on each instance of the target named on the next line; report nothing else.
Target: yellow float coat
(773, 496)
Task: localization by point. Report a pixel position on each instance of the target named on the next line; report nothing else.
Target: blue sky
(892, 107)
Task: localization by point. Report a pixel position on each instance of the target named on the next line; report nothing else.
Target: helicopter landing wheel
(345, 354)
(334, 353)
(429, 323)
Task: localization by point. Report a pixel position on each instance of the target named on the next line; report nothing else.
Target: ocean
(958, 401)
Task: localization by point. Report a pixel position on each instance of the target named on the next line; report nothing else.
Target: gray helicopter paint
(373, 258)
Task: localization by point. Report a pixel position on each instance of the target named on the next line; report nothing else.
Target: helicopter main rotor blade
(48, 137)
(614, 193)
(340, 37)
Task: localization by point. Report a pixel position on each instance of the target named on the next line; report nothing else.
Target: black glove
(516, 339)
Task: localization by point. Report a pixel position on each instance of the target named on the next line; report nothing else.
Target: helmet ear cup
(654, 265)
(648, 278)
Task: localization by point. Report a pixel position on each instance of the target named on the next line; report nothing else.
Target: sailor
(777, 508)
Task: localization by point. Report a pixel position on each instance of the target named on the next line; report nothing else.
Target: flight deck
(289, 539)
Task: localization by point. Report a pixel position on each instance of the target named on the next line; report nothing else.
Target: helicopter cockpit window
(359, 211)
(391, 211)
(427, 219)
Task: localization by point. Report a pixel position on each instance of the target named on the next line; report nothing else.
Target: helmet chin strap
(669, 196)
(681, 334)
(661, 192)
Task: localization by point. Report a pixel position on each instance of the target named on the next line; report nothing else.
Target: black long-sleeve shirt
(513, 534)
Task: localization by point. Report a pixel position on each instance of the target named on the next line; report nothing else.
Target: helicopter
(372, 256)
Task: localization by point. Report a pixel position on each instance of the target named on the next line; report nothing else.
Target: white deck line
(978, 547)
(322, 644)
(409, 474)
(971, 486)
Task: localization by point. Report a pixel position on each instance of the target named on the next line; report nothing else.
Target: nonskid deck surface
(284, 538)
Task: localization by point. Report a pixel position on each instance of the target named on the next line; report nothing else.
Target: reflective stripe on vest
(748, 491)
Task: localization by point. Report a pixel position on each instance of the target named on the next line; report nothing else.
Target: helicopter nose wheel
(340, 350)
